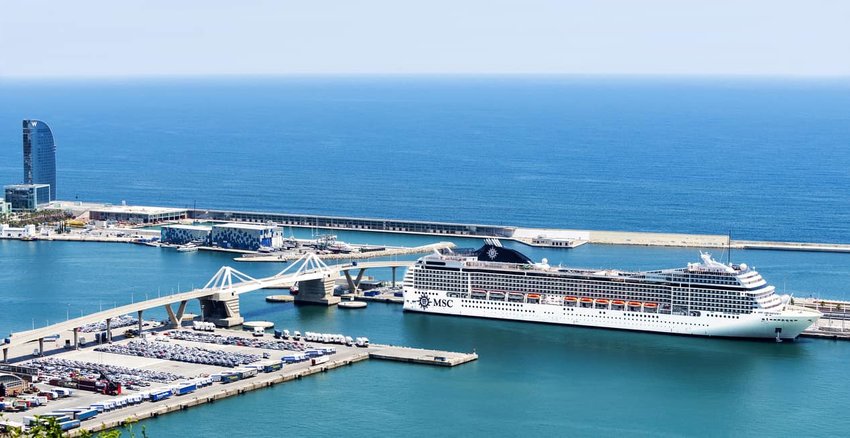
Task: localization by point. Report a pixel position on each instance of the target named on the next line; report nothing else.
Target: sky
(613, 37)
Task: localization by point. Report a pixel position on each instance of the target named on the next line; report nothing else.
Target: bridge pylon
(316, 280)
(221, 307)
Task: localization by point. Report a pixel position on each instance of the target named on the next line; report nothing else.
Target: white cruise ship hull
(791, 322)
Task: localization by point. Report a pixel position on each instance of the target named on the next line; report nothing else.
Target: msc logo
(425, 302)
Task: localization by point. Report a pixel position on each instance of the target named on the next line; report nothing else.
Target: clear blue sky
(154, 37)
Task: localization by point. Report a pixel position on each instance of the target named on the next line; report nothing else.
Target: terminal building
(39, 156)
(27, 197)
(136, 215)
(354, 223)
(246, 236)
(183, 234)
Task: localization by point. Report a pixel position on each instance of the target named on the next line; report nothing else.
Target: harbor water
(764, 159)
(530, 378)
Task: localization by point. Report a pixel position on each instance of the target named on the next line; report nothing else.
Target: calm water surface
(764, 159)
(531, 379)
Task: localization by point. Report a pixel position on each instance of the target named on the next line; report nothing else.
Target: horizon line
(792, 76)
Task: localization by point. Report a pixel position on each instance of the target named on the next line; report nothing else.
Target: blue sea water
(530, 380)
(766, 159)
(763, 158)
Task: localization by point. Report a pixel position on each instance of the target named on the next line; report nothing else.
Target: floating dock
(420, 356)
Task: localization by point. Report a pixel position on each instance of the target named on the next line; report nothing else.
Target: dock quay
(137, 218)
(835, 323)
(388, 252)
(420, 356)
(194, 383)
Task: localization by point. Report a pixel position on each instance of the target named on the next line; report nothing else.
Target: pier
(526, 235)
(388, 252)
(343, 356)
(420, 356)
(532, 236)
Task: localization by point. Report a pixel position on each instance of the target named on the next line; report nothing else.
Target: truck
(69, 424)
(229, 377)
(186, 388)
(245, 373)
(270, 367)
(81, 414)
(319, 360)
(102, 386)
(160, 395)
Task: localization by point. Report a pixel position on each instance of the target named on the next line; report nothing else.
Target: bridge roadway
(311, 268)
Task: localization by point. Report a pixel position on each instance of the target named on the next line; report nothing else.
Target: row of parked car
(332, 338)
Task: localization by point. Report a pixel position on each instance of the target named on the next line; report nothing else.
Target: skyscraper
(39, 155)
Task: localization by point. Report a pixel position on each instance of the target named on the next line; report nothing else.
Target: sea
(760, 158)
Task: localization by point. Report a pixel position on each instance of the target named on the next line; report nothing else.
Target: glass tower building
(39, 155)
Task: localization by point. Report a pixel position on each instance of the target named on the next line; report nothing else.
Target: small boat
(515, 297)
(189, 247)
(294, 289)
(498, 296)
(634, 304)
(618, 302)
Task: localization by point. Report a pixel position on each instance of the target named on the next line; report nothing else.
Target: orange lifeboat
(634, 304)
(587, 300)
(533, 296)
(650, 305)
(570, 299)
(602, 301)
(618, 302)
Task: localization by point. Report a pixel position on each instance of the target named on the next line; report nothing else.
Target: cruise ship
(707, 298)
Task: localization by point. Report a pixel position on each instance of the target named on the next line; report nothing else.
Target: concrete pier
(420, 356)
(344, 356)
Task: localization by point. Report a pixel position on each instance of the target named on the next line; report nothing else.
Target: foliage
(48, 427)
(39, 217)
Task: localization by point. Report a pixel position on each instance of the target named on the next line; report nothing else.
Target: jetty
(205, 389)
(387, 252)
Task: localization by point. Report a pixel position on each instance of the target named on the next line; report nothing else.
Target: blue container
(278, 334)
(68, 425)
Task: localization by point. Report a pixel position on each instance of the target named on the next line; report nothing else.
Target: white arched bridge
(219, 298)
